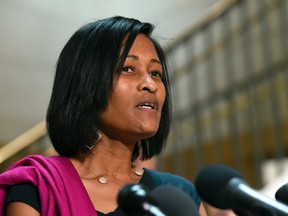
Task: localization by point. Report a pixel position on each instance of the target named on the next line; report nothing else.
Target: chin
(149, 134)
(148, 130)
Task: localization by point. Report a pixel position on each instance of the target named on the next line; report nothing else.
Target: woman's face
(134, 108)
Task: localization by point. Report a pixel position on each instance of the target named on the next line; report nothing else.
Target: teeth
(146, 105)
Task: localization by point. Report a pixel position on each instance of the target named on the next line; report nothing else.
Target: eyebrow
(137, 58)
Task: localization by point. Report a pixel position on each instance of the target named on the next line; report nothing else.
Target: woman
(110, 105)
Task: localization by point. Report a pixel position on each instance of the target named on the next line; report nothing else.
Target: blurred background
(228, 68)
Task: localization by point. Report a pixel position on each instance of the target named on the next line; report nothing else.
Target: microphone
(224, 188)
(174, 201)
(134, 200)
(165, 200)
(282, 194)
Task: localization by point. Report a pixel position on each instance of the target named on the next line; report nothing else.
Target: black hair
(86, 69)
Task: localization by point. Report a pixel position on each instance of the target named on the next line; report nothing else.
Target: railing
(229, 83)
(32, 141)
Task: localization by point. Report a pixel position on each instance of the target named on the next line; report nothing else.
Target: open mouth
(148, 105)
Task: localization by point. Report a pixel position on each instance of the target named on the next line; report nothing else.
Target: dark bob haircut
(86, 69)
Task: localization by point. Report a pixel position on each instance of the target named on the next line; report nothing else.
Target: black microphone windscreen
(132, 197)
(211, 184)
(174, 201)
(282, 194)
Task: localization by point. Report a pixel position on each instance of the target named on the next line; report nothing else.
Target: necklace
(104, 180)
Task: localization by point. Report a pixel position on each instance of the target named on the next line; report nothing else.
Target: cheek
(115, 103)
(111, 114)
(120, 98)
(122, 88)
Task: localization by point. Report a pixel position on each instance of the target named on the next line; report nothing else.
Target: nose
(147, 84)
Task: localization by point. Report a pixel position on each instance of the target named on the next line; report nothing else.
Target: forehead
(143, 46)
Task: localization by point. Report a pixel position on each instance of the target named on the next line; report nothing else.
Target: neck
(111, 158)
(115, 174)
(108, 157)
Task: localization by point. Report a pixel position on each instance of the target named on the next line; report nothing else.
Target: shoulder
(155, 178)
(38, 161)
(160, 178)
(35, 167)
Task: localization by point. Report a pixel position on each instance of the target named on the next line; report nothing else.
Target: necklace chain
(104, 180)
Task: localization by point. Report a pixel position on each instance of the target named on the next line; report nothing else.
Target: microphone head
(174, 201)
(211, 184)
(132, 198)
(282, 194)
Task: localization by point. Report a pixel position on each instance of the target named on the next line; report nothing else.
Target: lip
(148, 104)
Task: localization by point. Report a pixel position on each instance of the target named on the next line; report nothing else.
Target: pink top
(61, 191)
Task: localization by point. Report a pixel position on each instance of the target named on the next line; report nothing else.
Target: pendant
(102, 180)
(139, 172)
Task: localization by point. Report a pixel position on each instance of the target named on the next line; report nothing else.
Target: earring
(92, 146)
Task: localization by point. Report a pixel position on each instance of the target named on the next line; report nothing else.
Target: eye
(156, 74)
(127, 69)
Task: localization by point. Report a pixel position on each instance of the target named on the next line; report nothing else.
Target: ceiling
(34, 32)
